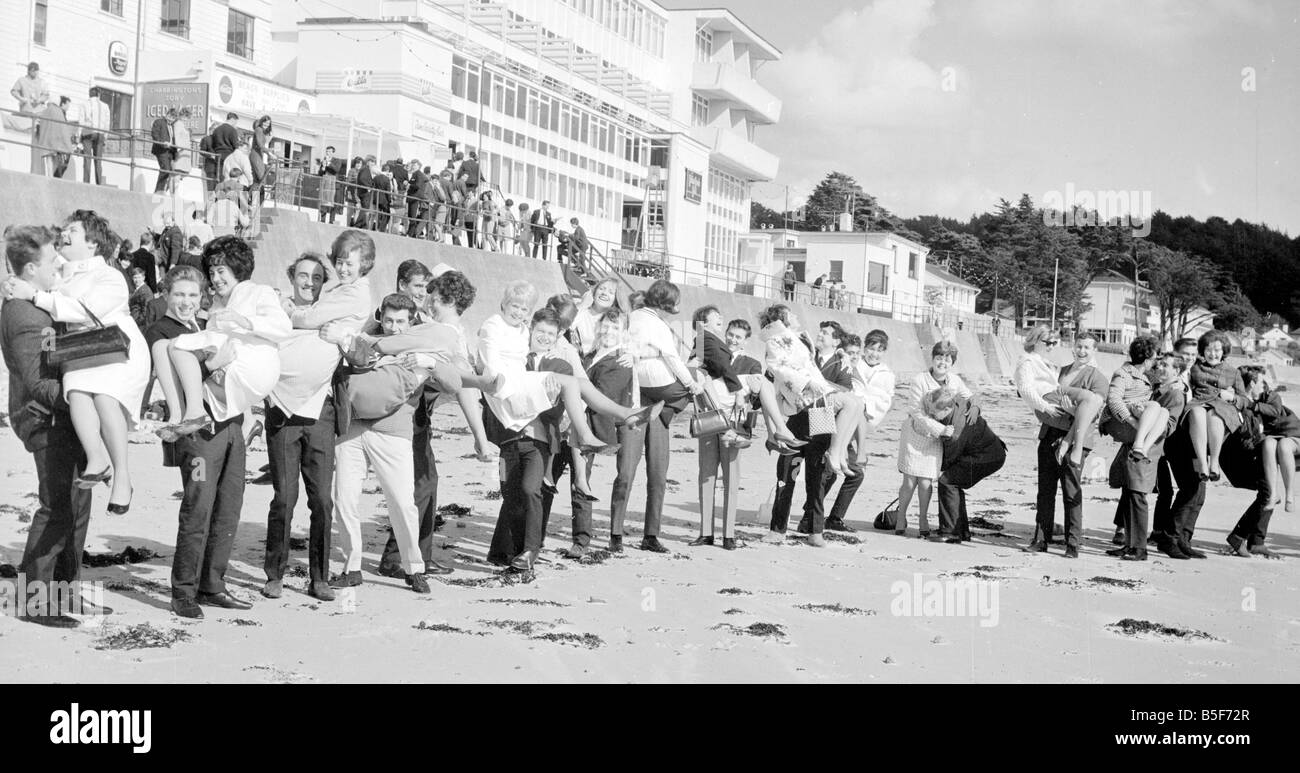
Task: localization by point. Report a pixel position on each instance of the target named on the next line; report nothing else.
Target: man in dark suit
(813, 454)
(543, 224)
(970, 454)
(365, 196)
(1081, 373)
(419, 191)
(1175, 516)
(225, 139)
(145, 259)
(469, 172)
(579, 246)
(164, 147)
(40, 419)
(738, 332)
(383, 197)
(171, 243)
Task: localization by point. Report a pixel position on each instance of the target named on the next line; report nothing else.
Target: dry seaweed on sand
(131, 555)
(298, 543)
(734, 611)
(761, 630)
(138, 586)
(587, 640)
(837, 609)
(425, 625)
(453, 509)
(522, 602)
(141, 636)
(835, 536)
(1131, 627)
(494, 494)
(1112, 582)
(244, 621)
(8, 571)
(980, 522)
(524, 627)
(734, 592)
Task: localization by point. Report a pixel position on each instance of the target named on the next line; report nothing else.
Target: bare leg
(1151, 425)
(864, 429)
(171, 387)
(772, 414)
(1085, 413)
(1215, 425)
(113, 428)
(85, 421)
(579, 468)
(1200, 439)
(1286, 453)
(924, 487)
(190, 376)
(904, 502)
(848, 413)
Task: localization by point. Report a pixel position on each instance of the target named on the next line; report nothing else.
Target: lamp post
(1056, 273)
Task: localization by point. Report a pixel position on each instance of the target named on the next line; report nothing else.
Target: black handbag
(887, 519)
(709, 420)
(99, 345)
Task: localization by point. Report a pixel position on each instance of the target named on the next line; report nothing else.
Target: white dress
(503, 350)
(799, 382)
(255, 369)
(102, 288)
(920, 445)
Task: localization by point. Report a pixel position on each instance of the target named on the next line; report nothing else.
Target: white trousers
(391, 458)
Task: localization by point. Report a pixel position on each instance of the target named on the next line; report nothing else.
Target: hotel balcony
(722, 80)
(739, 155)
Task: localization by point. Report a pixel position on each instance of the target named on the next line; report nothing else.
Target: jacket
(163, 139)
(972, 443)
(35, 393)
(715, 359)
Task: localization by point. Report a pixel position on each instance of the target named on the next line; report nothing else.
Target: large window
(703, 45)
(837, 271)
(119, 109)
(699, 110)
(878, 278)
(40, 18)
(111, 6)
(239, 35)
(912, 259)
(176, 17)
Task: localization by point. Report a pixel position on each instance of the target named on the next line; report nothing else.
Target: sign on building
(694, 187)
(156, 98)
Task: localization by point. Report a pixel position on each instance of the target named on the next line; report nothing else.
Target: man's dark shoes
(321, 591)
(1171, 549)
(838, 524)
(187, 608)
(615, 544)
(417, 583)
(391, 570)
(728, 543)
(1137, 554)
(346, 580)
(1187, 548)
(1037, 546)
(653, 545)
(223, 600)
(699, 541)
(437, 567)
(1071, 551)
(1120, 538)
(1117, 552)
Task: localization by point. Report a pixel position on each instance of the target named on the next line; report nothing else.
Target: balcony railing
(726, 81)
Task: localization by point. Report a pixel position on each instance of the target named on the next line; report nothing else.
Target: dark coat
(164, 141)
(744, 365)
(35, 392)
(974, 451)
(715, 359)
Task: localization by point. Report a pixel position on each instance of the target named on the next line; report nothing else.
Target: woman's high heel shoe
(90, 480)
(121, 509)
(790, 441)
(780, 448)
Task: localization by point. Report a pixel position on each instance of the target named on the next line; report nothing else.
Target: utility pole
(135, 91)
(1056, 273)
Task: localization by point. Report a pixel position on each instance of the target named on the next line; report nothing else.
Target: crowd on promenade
(549, 384)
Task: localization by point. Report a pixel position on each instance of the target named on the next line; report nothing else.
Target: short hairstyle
(350, 240)
(232, 252)
(940, 399)
(944, 348)
(1039, 333)
(97, 231)
(1086, 335)
(636, 299)
(146, 239)
(1142, 349)
(564, 307)
(1183, 343)
(1250, 374)
(330, 147)
(453, 287)
(546, 203)
(776, 313)
(194, 242)
(182, 274)
(523, 206)
(1179, 363)
(546, 315)
(740, 324)
(702, 314)
(520, 290)
(23, 245)
(1204, 342)
(137, 270)
(410, 269)
(876, 337)
(612, 314)
(397, 302)
(232, 116)
(850, 340)
(573, 221)
(664, 296)
(836, 328)
(310, 255)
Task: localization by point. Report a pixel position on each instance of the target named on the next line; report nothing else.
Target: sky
(946, 106)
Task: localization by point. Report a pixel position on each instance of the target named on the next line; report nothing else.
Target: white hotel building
(640, 121)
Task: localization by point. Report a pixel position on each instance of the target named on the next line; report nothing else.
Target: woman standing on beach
(920, 446)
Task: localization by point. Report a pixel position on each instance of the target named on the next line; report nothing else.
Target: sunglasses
(1051, 343)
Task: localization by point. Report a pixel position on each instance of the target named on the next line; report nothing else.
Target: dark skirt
(1226, 411)
(674, 396)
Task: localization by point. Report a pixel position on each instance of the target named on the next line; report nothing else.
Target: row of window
(629, 19)
(519, 100)
(548, 149)
(721, 245)
(174, 19)
(535, 184)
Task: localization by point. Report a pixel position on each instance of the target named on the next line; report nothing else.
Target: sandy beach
(780, 613)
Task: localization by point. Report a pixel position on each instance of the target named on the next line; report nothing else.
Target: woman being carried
(1214, 410)
(1038, 382)
(800, 384)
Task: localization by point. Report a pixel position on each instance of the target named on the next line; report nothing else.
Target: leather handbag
(821, 419)
(887, 519)
(90, 348)
(708, 420)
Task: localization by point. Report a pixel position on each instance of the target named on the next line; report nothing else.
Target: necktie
(532, 360)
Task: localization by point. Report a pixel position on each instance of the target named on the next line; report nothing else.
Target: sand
(779, 613)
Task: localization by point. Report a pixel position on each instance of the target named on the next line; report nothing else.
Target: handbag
(887, 519)
(90, 348)
(821, 418)
(708, 420)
